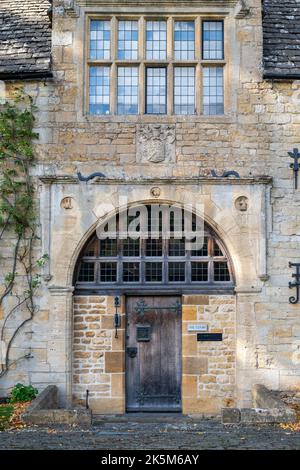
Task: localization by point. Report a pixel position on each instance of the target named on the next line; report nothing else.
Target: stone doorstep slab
(139, 418)
(257, 416)
(175, 418)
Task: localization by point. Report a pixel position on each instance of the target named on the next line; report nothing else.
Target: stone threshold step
(147, 418)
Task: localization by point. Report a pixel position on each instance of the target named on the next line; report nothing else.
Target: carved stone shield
(156, 143)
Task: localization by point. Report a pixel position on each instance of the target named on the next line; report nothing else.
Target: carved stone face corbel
(242, 9)
(67, 7)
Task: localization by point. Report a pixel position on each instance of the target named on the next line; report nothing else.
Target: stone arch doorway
(158, 272)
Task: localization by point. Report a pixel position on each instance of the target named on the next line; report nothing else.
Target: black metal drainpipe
(87, 399)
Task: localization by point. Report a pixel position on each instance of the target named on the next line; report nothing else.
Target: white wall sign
(197, 327)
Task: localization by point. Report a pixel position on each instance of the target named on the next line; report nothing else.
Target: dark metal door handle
(132, 352)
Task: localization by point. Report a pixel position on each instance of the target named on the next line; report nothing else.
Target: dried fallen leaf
(287, 398)
(51, 431)
(295, 427)
(15, 421)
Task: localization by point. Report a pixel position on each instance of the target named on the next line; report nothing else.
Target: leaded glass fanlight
(167, 263)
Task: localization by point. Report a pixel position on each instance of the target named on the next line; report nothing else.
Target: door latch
(132, 352)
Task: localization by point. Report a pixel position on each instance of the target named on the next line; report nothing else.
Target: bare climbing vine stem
(18, 223)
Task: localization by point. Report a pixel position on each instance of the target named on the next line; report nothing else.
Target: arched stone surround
(244, 235)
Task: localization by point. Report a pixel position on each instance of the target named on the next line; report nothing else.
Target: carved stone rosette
(156, 143)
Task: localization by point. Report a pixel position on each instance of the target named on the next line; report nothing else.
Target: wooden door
(153, 354)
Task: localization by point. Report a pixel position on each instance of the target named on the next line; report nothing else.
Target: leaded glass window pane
(184, 90)
(108, 247)
(213, 92)
(156, 40)
(212, 40)
(128, 90)
(86, 272)
(153, 247)
(156, 90)
(153, 272)
(131, 247)
(217, 250)
(99, 39)
(176, 247)
(199, 272)
(131, 272)
(91, 249)
(128, 40)
(221, 272)
(108, 272)
(176, 272)
(203, 251)
(99, 90)
(184, 40)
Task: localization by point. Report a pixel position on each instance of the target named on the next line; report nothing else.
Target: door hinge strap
(141, 307)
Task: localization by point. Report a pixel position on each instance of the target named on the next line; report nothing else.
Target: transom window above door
(165, 262)
(169, 65)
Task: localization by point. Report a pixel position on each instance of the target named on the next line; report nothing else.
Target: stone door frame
(241, 233)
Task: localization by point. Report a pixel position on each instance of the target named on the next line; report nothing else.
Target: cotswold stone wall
(262, 124)
(268, 341)
(208, 368)
(98, 356)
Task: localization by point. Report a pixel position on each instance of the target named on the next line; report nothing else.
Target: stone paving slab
(148, 436)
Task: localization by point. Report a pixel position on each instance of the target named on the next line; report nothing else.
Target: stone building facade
(169, 158)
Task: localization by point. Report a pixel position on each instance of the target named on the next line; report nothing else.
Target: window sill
(159, 119)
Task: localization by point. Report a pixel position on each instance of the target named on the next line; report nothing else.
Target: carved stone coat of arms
(156, 143)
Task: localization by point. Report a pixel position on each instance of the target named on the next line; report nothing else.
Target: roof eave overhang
(281, 76)
(41, 75)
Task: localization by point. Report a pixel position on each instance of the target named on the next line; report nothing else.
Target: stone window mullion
(170, 26)
(198, 78)
(141, 45)
(113, 89)
(198, 89)
(142, 57)
(170, 88)
(113, 72)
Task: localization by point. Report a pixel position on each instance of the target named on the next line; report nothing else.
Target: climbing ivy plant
(18, 224)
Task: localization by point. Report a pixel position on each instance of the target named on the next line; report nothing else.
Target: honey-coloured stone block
(114, 362)
(189, 345)
(189, 385)
(107, 405)
(118, 385)
(194, 365)
(195, 299)
(203, 406)
(189, 312)
(118, 344)
(107, 322)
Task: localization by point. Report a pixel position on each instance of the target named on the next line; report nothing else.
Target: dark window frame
(202, 40)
